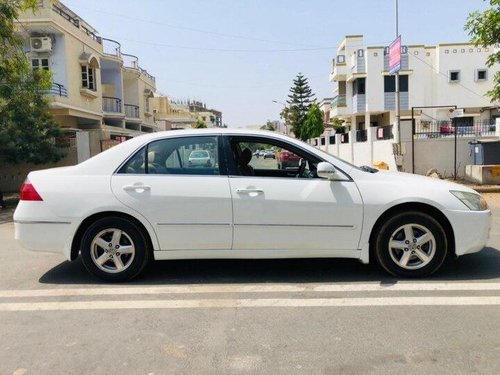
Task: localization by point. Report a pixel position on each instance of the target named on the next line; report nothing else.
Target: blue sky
(238, 56)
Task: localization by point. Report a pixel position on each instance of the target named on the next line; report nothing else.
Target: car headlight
(474, 202)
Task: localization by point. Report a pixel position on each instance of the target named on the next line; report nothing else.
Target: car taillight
(29, 193)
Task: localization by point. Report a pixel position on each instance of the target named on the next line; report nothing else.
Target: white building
(445, 74)
(448, 75)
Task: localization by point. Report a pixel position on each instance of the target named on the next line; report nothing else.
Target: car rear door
(188, 205)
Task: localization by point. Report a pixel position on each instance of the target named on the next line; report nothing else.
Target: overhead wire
(185, 28)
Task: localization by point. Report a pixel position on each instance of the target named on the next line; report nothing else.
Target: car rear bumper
(44, 236)
(472, 230)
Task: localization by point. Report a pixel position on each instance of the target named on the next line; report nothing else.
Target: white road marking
(255, 303)
(255, 288)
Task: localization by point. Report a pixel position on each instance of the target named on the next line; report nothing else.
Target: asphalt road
(248, 317)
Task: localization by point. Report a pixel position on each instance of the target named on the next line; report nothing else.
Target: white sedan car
(119, 211)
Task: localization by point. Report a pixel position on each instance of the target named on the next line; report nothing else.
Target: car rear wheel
(114, 249)
(411, 244)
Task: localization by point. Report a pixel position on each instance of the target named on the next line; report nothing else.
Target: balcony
(339, 101)
(73, 19)
(339, 106)
(339, 69)
(111, 48)
(132, 111)
(58, 90)
(358, 62)
(111, 104)
(132, 62)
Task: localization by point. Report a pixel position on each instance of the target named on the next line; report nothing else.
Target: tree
(484, 29)
(338, 125)
(199, 124)
(27, 130)
(269, 126)
(300, 99)
(313, 125)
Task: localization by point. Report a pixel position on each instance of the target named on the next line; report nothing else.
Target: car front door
(188, 204)
(276, 208)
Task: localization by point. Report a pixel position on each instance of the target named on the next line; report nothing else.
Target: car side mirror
(327, 171)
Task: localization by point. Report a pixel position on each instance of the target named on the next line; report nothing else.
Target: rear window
(179, 155)
(199, 154)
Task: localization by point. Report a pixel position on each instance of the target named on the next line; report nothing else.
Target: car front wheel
(114, 249)
(411, 244)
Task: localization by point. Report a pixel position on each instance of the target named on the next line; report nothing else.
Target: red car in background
(287, 159)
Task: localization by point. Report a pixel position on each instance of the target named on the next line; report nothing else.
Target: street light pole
(284, 106)
(398, 105)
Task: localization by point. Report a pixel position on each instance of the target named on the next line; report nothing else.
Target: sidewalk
(478, 188)
(6, 215)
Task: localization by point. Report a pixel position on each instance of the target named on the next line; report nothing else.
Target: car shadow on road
(481, 266)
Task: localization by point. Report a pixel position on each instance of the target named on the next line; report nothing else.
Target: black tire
(130, 237)
(414, 253)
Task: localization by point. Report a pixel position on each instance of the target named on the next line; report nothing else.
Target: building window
(359, 86)
(390, 83)
(454, 76)
(40, 64)
(481, 74)
(88, 77)
(361, 53)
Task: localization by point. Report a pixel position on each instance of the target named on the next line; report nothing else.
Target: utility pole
(284, 107)
(398, 106)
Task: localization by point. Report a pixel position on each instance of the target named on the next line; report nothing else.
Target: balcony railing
(131, 111)
(66, 16)
(111, 104)
(75, 21)
(132, 62)
(361, 135)
(339, 101)
(58, 90)
(111, 47)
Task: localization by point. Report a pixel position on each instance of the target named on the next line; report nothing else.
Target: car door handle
(249, 191)
(137, 188)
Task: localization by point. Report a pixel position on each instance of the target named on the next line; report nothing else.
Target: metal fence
(443, 129)
(384, 132)
(361, 135)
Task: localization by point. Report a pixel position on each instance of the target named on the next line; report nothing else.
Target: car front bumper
(471, 229)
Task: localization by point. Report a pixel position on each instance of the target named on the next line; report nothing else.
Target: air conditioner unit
(41, 44)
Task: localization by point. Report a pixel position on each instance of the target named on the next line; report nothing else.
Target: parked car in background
(287, 159)
(118, 214)
(269, 154)
(199, 157)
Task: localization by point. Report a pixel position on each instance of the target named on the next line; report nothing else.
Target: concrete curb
(486, 189)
